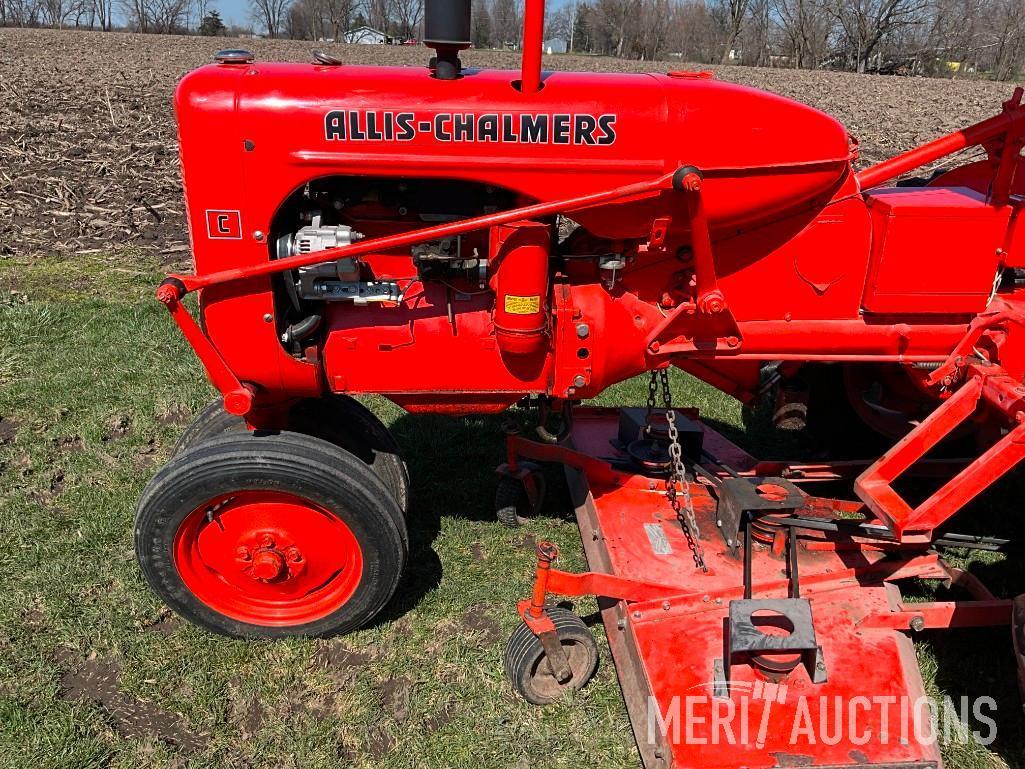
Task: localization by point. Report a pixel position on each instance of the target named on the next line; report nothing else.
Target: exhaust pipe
(447, 31)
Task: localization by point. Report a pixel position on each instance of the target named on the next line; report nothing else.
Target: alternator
(317, 237)
(337, 280)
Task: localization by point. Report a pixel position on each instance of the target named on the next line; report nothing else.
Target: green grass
(98, 384)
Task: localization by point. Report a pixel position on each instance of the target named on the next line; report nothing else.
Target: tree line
(924, 37)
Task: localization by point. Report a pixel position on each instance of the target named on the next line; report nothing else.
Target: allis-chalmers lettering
(556, 128)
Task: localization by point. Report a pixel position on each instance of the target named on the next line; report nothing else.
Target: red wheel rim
(268, 558)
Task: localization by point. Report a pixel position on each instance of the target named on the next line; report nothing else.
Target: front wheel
(337, 419)
(270, 536)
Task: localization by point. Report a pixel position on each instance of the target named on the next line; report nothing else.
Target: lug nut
(267, 541)
(243, 553)
(294, 555)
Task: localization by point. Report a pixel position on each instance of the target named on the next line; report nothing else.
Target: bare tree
(104, 10)
(481, 29)
(270, 13)
(137, 14)
(505, 18)
(804, 30)
(866, 23)
(54, 13)
(733, 14)
(1008, 30)
(407, 14)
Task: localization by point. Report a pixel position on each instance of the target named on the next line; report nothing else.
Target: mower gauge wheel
(517, 498)
(526, 664)
(267, 536)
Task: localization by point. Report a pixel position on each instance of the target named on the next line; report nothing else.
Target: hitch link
(537, 619)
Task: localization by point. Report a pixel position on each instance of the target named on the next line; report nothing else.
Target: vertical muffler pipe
(447, 31)
(533, 40)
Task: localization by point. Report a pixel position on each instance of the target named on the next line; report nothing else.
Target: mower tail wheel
(526, 664)
(267, 536)
(337, 419)
(515, 498)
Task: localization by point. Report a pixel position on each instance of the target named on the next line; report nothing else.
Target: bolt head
(579, 381)
(243, 553)
(294, 555)
(267, 541)
(267, 317)
(583, 330)
(258, 236)
(917, 624)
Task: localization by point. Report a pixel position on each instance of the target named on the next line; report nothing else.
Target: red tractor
(459, 240)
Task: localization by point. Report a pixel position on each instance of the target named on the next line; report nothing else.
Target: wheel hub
(268, 558)
(267, 562)
(267, 565)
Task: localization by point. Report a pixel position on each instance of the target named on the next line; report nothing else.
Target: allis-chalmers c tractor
(460, 240)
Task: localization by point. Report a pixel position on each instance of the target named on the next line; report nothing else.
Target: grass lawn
(95, 386)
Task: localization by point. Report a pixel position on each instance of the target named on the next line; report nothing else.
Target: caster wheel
(270, 536)
(515, 499)
(337, 419)
(526, 664)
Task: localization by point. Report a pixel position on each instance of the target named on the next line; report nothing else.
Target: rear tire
(269, 536)
(337, 419)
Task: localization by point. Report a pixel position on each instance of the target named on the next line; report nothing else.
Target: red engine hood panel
(582, 132)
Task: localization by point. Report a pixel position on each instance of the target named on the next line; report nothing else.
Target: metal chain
(677, 478)
(652, 391)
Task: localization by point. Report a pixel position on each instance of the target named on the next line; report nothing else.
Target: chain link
(652, 392)
(677, 484)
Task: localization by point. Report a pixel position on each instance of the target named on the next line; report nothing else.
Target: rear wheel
(338, 419)
(270, 536)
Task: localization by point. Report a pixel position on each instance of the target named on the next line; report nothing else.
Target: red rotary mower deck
(668, 623)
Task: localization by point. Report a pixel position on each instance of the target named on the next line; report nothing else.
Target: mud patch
(477, 551)
(119, 427)
(177, 414)
(334, 656)
(8, 430)
(253, 717)
(164, 625)
(442, 718)
(379, 742)
(96, 681)
(394, 694)
(69, 443)
(528, 542)
(478, 623)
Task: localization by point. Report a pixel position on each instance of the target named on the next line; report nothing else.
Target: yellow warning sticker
(522, 305)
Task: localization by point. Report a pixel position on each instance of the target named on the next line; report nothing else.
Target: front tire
(337, 419)
(270, 536)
